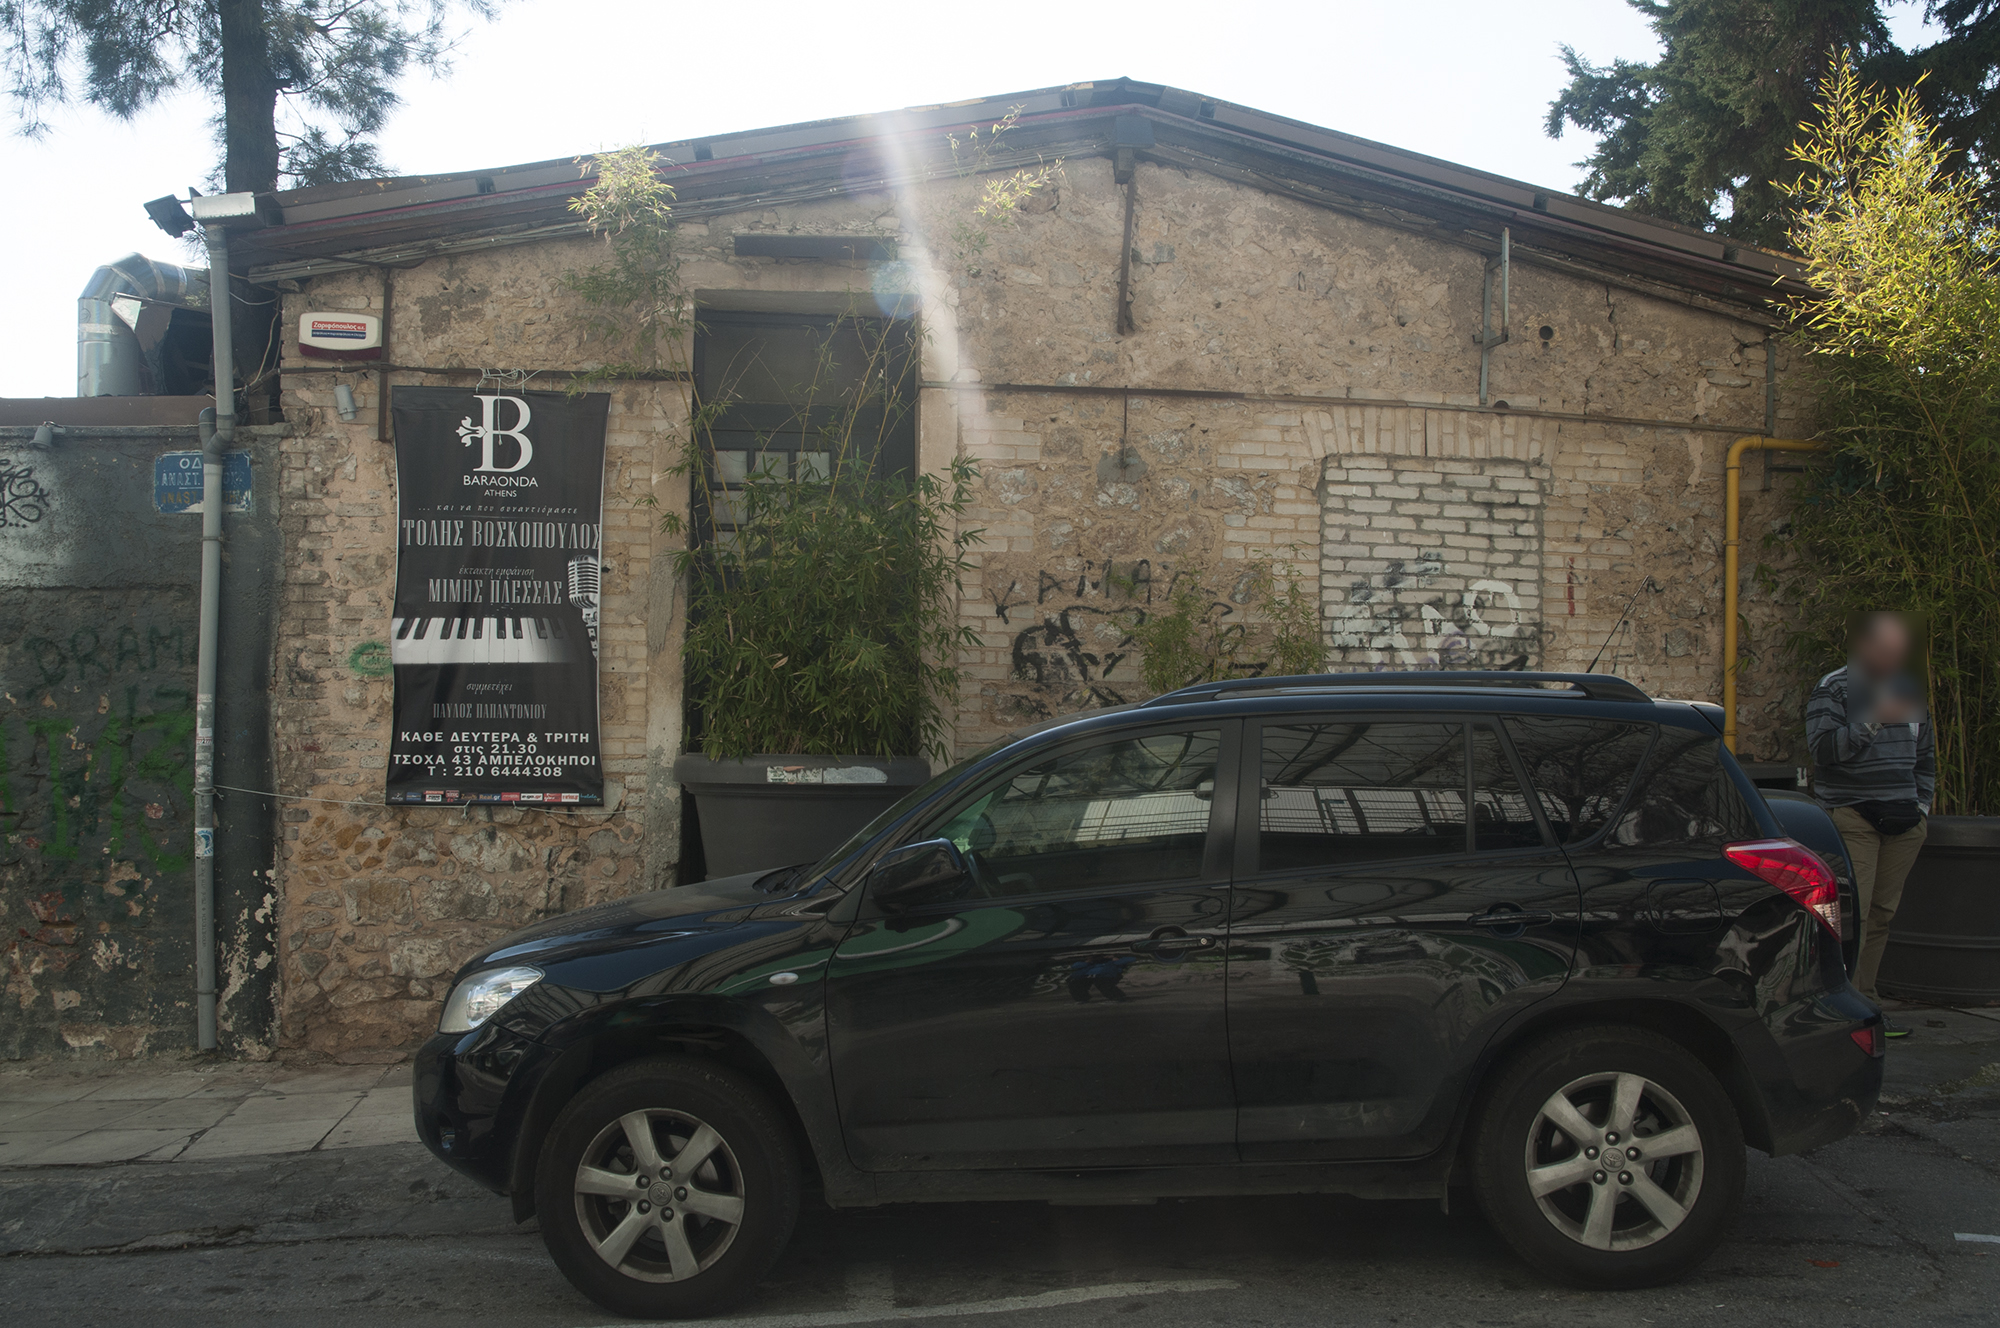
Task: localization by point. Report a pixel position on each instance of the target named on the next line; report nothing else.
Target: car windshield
(831, 861)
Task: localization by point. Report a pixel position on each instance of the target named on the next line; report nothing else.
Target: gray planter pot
(1944, 945)
(761, 812)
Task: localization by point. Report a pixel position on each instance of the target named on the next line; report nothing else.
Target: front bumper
(472, 1093)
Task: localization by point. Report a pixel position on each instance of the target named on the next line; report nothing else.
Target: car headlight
(479, 997)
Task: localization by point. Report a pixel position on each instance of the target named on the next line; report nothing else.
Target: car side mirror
(916, 874)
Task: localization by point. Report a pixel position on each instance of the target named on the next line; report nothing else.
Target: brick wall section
(1432, 562)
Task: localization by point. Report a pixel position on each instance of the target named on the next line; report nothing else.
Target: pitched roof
(405, 219)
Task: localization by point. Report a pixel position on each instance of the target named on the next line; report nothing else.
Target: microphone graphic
(583, 586)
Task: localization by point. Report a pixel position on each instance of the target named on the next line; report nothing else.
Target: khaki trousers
(1881, 864)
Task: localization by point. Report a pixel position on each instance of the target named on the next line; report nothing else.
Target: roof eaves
(328, 228)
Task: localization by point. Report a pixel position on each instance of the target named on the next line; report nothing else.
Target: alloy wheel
(1614, 1161)
(659, 1195)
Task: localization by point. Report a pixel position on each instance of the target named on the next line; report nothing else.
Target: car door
(1070, 1012)
(1380, 934)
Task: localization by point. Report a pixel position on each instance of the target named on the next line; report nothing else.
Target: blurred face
(1885, 647)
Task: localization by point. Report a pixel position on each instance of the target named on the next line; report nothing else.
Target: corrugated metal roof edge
(355, 209)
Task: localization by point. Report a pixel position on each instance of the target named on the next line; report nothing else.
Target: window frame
(780, 428)
(1215, 857)
(1250, 787)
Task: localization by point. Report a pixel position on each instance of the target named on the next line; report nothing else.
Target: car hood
(635, 920)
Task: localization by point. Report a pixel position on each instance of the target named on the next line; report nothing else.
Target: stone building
(1216, 338)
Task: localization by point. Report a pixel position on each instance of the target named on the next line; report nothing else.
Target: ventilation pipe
(110, 355)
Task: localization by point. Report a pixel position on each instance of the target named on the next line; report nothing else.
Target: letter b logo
(488, 431)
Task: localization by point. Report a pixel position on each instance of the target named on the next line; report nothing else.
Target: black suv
(1371, 934)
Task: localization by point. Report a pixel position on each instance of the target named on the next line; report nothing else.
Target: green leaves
(1197, 637)
(823, 611)
(829, 625)
(1003, 194)
(642, 305)
(1698, 135)
(1904, 357)
(332, 61)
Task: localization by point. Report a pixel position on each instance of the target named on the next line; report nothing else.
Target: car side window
(1123, 812)
(1502, 817)
(1348, 791)
(1580, 769)
(1683, 796)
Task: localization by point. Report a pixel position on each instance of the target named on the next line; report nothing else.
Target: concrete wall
(99, 595)
(1302, 388)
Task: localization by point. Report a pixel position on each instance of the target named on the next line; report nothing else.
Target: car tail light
(1795, 869)
(1870, 1039)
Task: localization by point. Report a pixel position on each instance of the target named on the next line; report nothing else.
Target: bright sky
(1465, 80)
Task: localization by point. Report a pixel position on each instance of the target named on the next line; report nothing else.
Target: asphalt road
(1864, 1231)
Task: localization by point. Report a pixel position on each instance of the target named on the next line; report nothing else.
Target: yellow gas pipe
(1731, 504)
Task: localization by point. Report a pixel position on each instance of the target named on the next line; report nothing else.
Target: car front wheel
(667, 1188)
(1609, 1157)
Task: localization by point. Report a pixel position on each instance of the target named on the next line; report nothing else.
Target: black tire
(679, 1254)
(1635, 1241)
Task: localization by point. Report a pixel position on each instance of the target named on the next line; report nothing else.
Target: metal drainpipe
(1732, 481)
(217, 433)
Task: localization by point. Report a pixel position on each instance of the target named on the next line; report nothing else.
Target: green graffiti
(370, 659)
(102, 801)
(84, 654)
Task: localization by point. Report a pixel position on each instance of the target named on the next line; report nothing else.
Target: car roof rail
(1589, 686)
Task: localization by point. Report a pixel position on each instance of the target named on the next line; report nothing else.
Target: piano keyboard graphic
(454, 639)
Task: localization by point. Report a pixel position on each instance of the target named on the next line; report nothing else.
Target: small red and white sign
(340, 336)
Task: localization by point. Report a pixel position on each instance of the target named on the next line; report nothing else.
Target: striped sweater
(1858, 760)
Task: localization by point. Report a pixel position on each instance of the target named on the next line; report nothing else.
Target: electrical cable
(1648, 584)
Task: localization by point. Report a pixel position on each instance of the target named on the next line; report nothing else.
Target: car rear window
(1581, 769)
(1647, 784)
(1684, 796)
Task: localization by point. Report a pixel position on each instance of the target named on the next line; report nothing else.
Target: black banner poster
(499, 508)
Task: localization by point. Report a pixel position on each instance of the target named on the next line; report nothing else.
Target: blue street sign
(177, 482)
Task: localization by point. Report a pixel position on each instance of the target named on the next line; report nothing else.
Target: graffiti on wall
(1071, 630)
(1071, 633)
(1402, 618)
(96, 798)
(23, 500)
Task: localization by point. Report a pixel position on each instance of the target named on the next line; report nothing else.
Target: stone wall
(1301, 389)
(381, 905)
(1094, 506)
(1289, 355)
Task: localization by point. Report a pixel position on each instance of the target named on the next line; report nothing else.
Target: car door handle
(1176, 941)
(1512, 917)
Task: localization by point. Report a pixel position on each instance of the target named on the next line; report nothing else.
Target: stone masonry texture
(1340, 438)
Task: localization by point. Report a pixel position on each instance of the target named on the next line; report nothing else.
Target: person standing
(1876, 773)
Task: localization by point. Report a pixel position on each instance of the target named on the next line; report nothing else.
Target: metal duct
(112, 345)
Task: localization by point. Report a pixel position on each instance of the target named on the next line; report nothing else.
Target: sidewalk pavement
(69, 1114)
